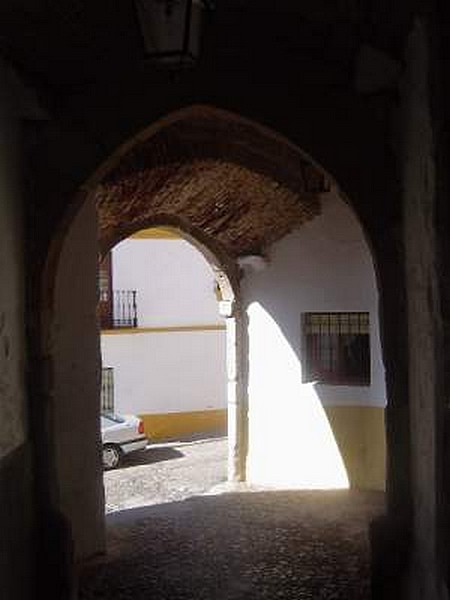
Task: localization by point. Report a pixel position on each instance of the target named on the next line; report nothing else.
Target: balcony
(117, 309)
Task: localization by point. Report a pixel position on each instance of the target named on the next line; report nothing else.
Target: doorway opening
(250, 201)
(163, 346)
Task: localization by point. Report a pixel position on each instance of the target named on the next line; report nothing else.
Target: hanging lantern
(171, 30)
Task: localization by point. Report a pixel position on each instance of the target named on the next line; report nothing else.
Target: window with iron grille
(105, 302)
(107, 390)
(336, 348)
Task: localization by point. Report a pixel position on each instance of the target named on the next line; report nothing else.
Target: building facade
(316, 378)
(316, 382)
(166, 348)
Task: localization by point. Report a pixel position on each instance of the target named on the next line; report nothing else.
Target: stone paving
(234, 545)
(166, 472)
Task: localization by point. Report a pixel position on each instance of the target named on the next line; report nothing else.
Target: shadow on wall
(294, 441)
(360, 436)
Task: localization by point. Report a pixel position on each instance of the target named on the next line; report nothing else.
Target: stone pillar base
(390, 541)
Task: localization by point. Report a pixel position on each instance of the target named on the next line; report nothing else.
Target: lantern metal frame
(171, 58)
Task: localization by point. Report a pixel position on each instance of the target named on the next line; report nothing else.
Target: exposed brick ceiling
(240, 185)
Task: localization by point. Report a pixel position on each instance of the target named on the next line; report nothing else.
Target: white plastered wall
(325, 266)
(167, 372)
(76, 358)
(158, 372)
(174, 283)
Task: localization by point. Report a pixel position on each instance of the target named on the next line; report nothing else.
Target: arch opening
(163, 314)
(237, 192)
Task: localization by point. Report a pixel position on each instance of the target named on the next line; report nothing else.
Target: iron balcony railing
(124, 308)
(107, 390)
(118, 309)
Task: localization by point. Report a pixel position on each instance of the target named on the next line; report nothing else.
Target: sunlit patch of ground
(166, 472)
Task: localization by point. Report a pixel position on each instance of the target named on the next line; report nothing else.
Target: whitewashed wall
(167, 371)
(325, 266)
(174, 282)
(76, 359)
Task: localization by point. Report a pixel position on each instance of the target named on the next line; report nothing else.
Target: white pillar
(234, 395)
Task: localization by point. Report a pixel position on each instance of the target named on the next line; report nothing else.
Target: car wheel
(111, 456)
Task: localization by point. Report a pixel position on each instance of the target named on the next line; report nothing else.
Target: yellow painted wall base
(360, 436)
(358, 431)
(170, 425)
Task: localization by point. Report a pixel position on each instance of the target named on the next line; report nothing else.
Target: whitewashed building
(163, 340)
(316, 391)
(316, 386)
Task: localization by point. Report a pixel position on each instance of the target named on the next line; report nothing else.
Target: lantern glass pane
(170, 28)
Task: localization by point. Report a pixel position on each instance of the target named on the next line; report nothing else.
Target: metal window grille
(107, 390)
(104, 282)
(337, 348)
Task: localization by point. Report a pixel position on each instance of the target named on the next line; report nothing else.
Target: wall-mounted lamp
(253, 262)
(171, 29)
(314, 181)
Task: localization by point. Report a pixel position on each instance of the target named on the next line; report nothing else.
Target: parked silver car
(121, 434)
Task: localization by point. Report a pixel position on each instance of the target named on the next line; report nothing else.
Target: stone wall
(74, 352)
(12, 348)
(418, 160)
(16, 516)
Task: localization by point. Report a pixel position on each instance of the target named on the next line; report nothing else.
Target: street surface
(166, 473)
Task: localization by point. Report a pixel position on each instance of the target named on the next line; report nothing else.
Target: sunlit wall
(292, 443)
(306, 435)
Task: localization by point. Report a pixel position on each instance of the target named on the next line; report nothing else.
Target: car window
(112, 418)
(105, 422)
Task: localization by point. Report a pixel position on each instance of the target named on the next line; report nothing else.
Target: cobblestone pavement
(234, 545)
(166, 472)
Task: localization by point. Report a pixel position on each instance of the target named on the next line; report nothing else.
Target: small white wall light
(253, 262)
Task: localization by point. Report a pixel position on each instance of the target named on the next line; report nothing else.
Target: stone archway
(232, 186)
(226, 276)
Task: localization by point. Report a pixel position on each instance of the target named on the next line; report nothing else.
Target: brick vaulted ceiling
(240, 185)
